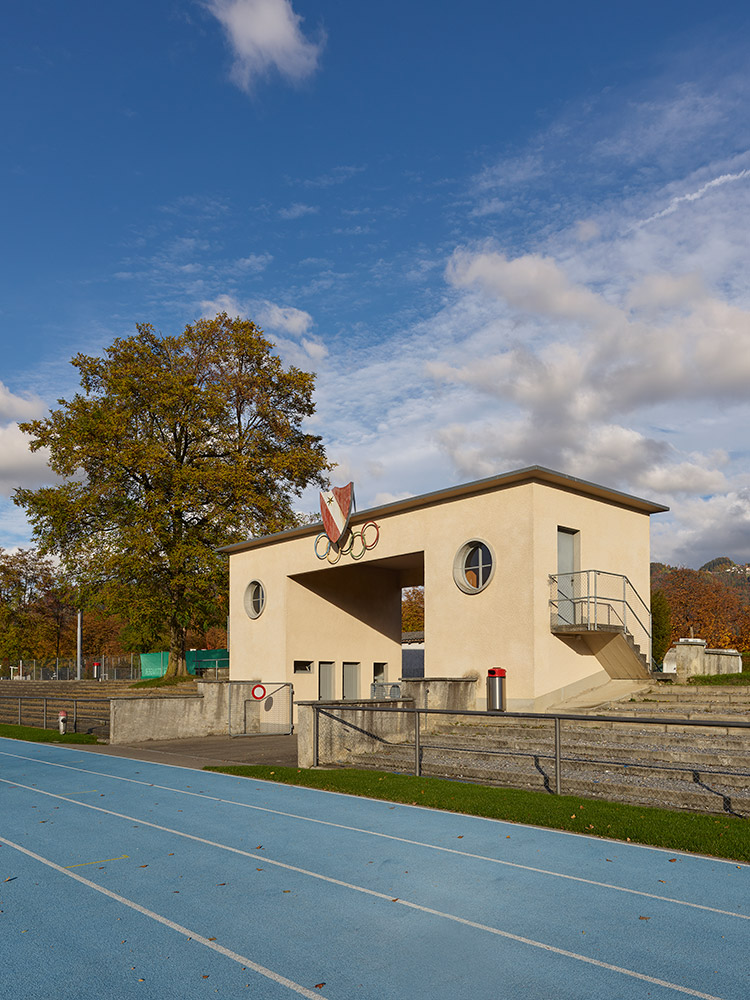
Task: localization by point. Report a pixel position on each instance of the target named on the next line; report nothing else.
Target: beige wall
(351, 611)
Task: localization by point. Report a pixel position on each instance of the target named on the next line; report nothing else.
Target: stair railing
(595, 599)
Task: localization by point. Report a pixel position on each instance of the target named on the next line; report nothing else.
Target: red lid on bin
(496, 672)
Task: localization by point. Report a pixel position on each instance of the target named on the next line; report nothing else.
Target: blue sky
(500, 234)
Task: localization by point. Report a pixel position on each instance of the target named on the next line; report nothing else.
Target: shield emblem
(336, 507)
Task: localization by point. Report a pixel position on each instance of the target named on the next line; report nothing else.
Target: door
(326, 690)
(566, 580)
(350, 687)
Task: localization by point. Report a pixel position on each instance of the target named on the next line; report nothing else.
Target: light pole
(79, 634)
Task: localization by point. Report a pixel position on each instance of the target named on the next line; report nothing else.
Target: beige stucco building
(534, 571)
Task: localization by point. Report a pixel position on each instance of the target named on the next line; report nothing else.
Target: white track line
(185, 931)
(389, 836)
(346, 885)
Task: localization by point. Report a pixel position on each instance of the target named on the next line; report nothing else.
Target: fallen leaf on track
(644, 918)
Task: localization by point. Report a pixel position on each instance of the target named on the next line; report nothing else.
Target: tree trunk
(177, 665)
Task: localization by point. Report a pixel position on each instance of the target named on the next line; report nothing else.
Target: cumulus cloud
(286, 318)
(264, 35)
(18, 465)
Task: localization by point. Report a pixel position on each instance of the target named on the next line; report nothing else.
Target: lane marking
(185, 931)
(64, 748)
(402, 840)
(346, 885)
(84, 863)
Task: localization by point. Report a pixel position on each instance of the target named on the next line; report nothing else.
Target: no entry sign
(258, 692)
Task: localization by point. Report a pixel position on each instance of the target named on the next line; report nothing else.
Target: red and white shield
(335, 509)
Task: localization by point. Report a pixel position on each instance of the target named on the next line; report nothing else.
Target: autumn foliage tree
(704, 603)
(174, 446)
(412, 609)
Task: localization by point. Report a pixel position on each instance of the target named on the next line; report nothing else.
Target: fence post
(417, 748)
(558, 780)
(315, 735)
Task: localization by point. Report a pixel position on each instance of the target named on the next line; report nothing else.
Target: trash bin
(496, 690)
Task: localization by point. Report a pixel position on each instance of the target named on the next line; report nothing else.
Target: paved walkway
(207, 750)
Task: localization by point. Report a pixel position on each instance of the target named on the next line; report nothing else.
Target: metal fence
(113, 668)
(85, 715)
(555, 753)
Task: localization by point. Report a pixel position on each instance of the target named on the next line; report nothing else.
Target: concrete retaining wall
(690, 657)
(135, 720)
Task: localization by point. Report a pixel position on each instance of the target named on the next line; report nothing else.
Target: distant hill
(721, 562)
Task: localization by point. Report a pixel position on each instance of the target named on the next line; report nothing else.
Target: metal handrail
(558, 718)
(57, 699)
(586, 593)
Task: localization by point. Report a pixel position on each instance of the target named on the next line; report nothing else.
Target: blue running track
(120, 878)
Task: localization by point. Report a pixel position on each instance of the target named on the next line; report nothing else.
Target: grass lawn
(719, 836)
(43, 735)
(161, 682)
(721, 680)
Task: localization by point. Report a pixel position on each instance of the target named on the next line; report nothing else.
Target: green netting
(155, 664)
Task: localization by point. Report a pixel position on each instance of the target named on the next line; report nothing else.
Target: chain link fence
(672, 762)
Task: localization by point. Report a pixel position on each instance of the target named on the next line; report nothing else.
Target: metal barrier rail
(62, 700)
(557, 718)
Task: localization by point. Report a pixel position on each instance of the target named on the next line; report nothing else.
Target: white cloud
(265, 35)
(254, 262)
(18, 465)
(298, 210)
(286, 318)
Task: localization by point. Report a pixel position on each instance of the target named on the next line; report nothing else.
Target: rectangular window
(378, 673)
(303, 666)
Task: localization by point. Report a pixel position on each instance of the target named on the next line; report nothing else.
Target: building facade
(534, 571)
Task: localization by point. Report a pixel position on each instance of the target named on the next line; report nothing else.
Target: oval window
(473, 566)
(255, 599)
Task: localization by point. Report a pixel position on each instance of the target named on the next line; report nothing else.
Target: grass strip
(35, 735)
(721, 680)
(700, 833)
(162, 682)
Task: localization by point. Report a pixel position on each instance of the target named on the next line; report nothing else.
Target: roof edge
(530, 474)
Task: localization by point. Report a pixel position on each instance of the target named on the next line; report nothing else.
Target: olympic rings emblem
(358, 541)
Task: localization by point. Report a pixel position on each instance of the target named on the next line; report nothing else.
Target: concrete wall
(690, 657)
(351, 611)
(135, 720)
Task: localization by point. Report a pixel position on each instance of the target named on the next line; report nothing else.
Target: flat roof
(532, 474)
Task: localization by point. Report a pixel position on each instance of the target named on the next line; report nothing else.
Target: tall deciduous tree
(176, 445)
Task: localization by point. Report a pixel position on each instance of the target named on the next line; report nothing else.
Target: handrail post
(316, 726)
(625, 603)
(558, 777)
(44, 713)
(596, 599)
(75, 715)
(19, 711)
(417, 749)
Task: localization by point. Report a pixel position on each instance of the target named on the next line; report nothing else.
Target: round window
(255, 599)
(473, 566)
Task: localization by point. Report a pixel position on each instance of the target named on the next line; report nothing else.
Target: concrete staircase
(676, 767)
(82, 700)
